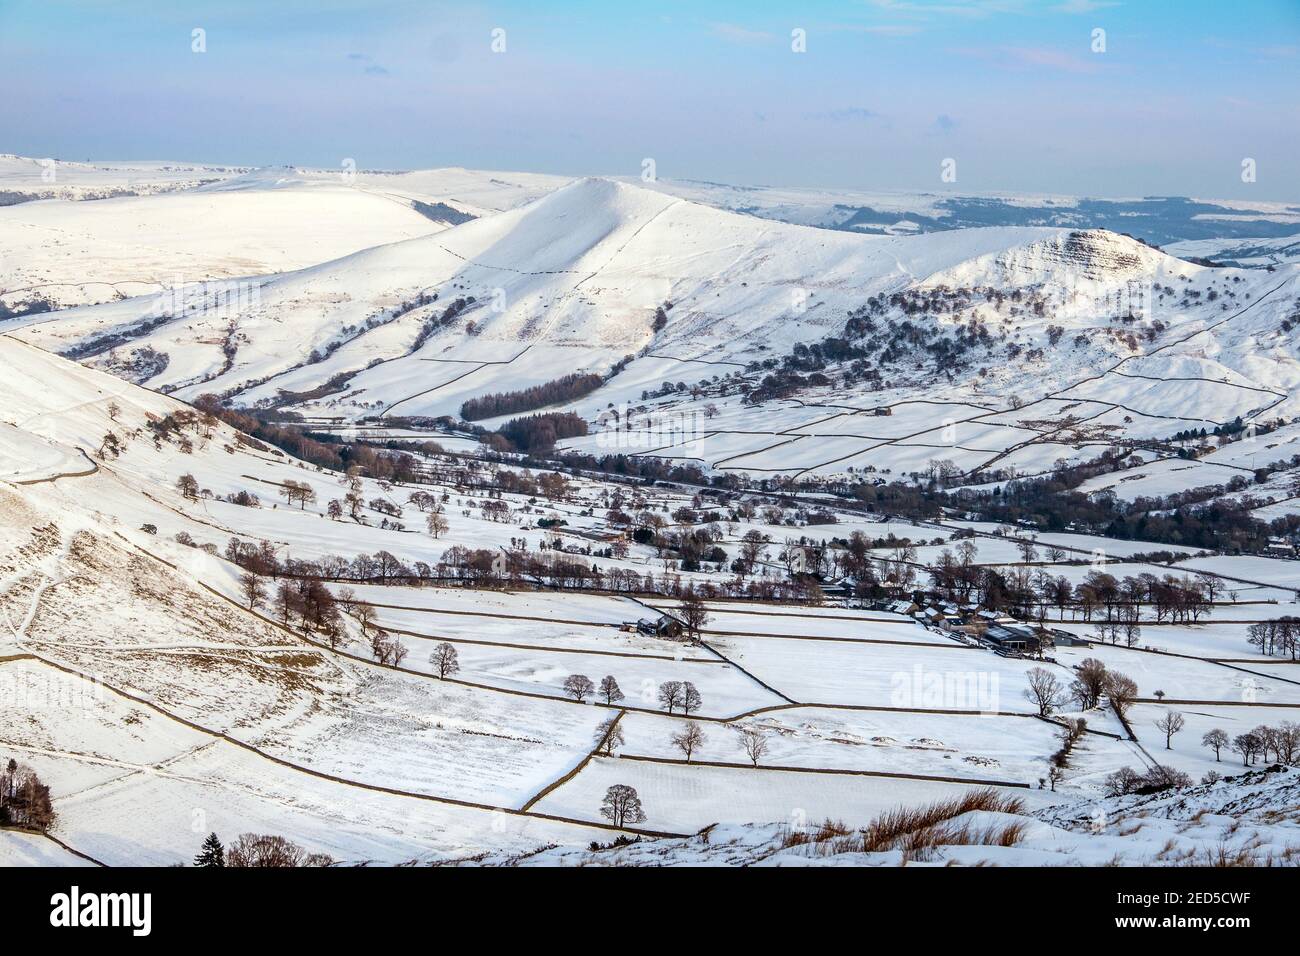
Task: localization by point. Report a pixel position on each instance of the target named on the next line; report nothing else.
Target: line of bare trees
(1033, 591)
(1283, 742)
(1092, 681)
(1276, 638)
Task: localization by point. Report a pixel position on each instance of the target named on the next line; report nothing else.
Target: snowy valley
(454, 517)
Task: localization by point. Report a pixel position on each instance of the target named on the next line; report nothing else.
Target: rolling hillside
(1098, 334)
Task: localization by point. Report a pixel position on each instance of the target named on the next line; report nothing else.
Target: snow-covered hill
(1098, 335)
(154, 229)
(470, 191)
(1247, 820)
(570, 281)
(1251, 253)
(24, 178)
(61, 254)
(118, 593)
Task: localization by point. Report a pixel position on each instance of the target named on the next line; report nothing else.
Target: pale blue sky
(886, 90)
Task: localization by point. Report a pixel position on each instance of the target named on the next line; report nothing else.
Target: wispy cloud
(1033, 57)
(1086, 6)
(734, 33)
(884, 29)
(849, 114)
(926, 9)
(371, 68)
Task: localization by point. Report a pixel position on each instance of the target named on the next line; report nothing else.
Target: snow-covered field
(686, 799)
(1248, 820)
(160, 699)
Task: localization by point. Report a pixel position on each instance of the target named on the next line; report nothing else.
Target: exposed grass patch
(918, 832)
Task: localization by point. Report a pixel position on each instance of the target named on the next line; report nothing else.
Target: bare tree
(1217, 740)
(1044, 691)
(622, 806)
(1267, 738)
(365, 615)
(1246, 745)
(610, 690)
(752, 548)
(437, 525)
(284, 602)
(754, 742)
(397, 652)
(384, 647)
(188, 486)
(694, 614)
(1089, 683)
(251, 587)
(268, 850)
(1123, 781)
(334, 632)
(298, 491)
(109, 445)
(689, 740)
(578, 686)
(670, 695)
(690, 698)
(1121, 690)
(1288, 742)
(24, 799)
(444, 660)
(608, 736)
(1170, 724)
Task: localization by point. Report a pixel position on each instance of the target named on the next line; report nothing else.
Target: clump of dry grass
(917, 832)
(890, 829)
(922, 844)
(826, 833)
(1224, 856)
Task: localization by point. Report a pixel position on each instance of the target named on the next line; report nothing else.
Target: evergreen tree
(212, 852)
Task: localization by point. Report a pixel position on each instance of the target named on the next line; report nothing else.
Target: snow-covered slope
(1248, 820)
(471, 191)
(577, 275)
(65, 254)
(1102, 335)
(24, 178)
(1250, 253)
(114, 592)
(133, 679)
(159, 225)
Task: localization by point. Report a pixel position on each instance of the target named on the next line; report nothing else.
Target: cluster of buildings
(993, 629)
(1282, 548)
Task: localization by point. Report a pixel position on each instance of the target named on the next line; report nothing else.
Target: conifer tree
(212, 852)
